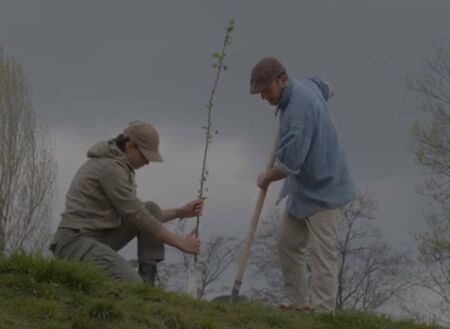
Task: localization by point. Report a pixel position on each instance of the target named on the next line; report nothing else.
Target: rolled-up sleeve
(119, 190)
(294, 145)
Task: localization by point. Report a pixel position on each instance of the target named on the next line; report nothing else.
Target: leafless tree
(370, 272)
(217, 255)
(27, 166)
(431, 148)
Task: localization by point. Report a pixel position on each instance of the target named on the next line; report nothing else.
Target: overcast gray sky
(95, 65)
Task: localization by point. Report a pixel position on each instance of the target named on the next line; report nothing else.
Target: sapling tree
(219, 65)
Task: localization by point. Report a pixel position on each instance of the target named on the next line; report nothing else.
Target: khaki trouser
(100, 247)
(321, 230)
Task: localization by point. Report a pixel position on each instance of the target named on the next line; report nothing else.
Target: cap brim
(152, 156)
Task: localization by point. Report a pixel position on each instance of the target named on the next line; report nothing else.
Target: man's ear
(283, 80)
(129, 145)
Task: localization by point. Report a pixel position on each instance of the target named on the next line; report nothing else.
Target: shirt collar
(285, 97)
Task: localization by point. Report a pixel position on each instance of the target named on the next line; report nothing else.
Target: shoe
(148, 273)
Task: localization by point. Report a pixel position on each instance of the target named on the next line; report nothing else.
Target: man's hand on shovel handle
(263, 182)
(270, 176)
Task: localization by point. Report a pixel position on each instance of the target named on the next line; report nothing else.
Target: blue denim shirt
(309, 152)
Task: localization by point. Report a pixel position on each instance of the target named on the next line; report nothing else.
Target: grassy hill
(49, 294)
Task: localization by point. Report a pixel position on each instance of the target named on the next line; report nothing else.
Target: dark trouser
(100, 247)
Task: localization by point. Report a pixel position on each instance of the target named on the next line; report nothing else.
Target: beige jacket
(102, 194)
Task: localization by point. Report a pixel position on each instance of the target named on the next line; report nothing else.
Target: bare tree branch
(430, 141)
(219, 253)
(370, 272)
(27, 167)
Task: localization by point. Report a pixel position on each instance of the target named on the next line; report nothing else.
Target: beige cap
(145, 136)
(264, 73)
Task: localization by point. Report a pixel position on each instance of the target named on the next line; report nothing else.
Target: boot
(148, 273)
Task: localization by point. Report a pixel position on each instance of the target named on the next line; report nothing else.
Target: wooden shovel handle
(245, 251)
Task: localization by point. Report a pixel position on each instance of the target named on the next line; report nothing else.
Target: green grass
(48, 294)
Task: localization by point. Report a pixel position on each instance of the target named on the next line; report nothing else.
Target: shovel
(253, 225)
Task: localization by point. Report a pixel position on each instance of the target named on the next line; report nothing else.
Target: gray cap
(264, 73)
(145, 136)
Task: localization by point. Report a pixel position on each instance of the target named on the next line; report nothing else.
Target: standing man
(103, 213)
(317, 182)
